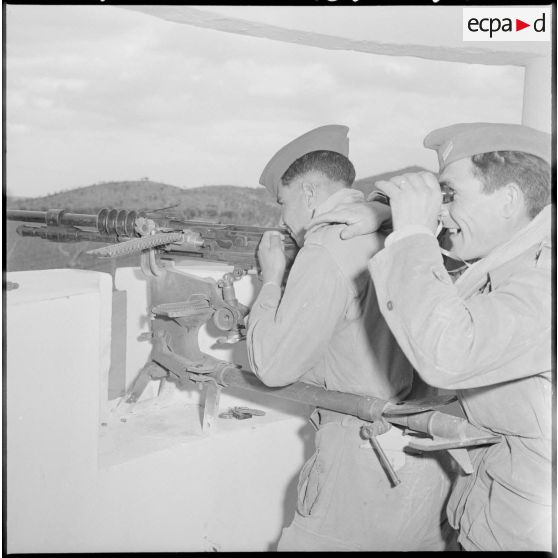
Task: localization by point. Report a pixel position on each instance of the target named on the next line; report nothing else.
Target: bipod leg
(151, 371)
(211, 405)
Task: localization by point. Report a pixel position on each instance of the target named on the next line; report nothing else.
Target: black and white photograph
(279, 277)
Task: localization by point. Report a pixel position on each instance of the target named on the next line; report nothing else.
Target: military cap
(332, 137)
(465, 140)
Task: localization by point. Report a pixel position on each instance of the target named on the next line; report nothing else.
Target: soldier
(325, 328)
(486, 334)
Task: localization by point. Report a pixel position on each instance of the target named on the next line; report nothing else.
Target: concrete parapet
(84, 478)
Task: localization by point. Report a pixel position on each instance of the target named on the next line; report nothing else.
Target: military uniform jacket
(326, 328)
(487, 336)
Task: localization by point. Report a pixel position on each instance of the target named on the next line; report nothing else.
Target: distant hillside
(367, 184)
(225, 204)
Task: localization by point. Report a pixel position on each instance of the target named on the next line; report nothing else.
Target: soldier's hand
(360, 218)
(271, 256)
(415, 199)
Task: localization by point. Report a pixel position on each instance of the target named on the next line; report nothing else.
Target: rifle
(182, 303)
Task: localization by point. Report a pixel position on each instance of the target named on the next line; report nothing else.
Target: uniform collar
(535, 232)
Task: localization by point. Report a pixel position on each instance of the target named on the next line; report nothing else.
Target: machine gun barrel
(119, 222)
(46, 217)
(66, 234)
(231, 243)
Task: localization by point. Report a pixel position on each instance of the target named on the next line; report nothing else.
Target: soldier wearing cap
(487, 333)
(325, 328)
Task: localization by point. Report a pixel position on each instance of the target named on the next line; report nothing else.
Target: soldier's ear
(513, 200)
(310, 191)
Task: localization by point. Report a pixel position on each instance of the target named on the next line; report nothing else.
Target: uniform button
(389, 305)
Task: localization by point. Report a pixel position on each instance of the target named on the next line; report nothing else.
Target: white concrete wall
(80, 479)
(537, 95)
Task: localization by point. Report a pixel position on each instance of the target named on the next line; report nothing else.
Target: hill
(224, 204)
(237, 204)
(367, 184)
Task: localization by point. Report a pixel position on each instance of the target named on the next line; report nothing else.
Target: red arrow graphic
(519, 25)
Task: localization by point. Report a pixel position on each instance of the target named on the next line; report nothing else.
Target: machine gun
(148, 233)
(181, 303)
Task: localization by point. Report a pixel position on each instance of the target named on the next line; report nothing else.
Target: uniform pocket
(308, 485)
(318, 478)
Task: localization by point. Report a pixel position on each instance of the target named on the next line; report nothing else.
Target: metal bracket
(456, 448)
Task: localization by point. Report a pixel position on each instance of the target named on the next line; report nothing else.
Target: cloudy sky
(101, 93)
